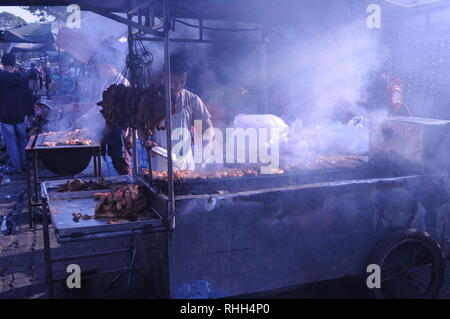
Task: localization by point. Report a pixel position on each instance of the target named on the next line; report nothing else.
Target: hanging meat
(152, 109)
(116, 104)
(142, 109)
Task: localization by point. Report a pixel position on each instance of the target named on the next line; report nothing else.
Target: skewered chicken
(188, 174)
(50, 144)
(75, 137)
(318, 162)
(76, 142)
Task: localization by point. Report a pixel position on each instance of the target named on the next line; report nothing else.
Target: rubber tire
(388, 243)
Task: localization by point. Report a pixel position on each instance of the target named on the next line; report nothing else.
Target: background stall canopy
(256, 11)
(253, 11)
(83, 43)
(31, 33)
(32, 47)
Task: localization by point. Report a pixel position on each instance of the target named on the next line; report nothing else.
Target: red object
(395, 91)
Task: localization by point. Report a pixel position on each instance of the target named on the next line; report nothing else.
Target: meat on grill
(50, 144)
(79, 185)
(98, 196)
(188, 174)
(77, 142)
(318, 162)
(75, 137)
(125, 202)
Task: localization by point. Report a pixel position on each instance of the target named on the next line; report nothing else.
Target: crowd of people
(21, 94)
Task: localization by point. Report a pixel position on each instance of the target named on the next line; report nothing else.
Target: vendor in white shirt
(189, 107)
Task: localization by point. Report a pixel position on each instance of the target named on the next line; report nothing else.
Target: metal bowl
(66, 162)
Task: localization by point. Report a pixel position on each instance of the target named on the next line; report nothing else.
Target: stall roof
(255, 11)
(31, 33)
(411, 3)
(32, 47)
(258, 11)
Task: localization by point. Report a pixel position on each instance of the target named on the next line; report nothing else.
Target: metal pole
(171, 194)
(47, 249)
(132, 260)
(150, 169)
(99, 165)
(29, 192)
(152, 16)
(59, 62)
(200, 29)
(134, 153)
(264, 76)
(133, 85)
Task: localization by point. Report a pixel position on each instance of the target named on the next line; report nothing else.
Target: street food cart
(239, 236)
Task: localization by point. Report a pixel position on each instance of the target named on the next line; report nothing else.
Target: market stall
(235, 231)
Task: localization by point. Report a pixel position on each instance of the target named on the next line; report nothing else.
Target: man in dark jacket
(34, 77)
(16, 102)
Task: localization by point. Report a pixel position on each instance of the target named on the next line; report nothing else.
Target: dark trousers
(113, 140)
(122, 164)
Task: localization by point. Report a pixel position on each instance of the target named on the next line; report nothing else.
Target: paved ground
(22, 272)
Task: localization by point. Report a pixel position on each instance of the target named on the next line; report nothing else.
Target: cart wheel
(412, 265)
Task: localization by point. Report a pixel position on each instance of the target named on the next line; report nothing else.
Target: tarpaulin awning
(254, 11)
(82, 43)
(31, 33)
(74, 44)
(31, 47)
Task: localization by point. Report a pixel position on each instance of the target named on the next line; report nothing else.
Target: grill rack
(245, 183)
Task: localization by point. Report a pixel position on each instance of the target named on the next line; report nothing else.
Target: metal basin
(66, 161)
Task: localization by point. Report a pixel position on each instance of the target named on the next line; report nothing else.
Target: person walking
(16, 103)
(34, 79)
